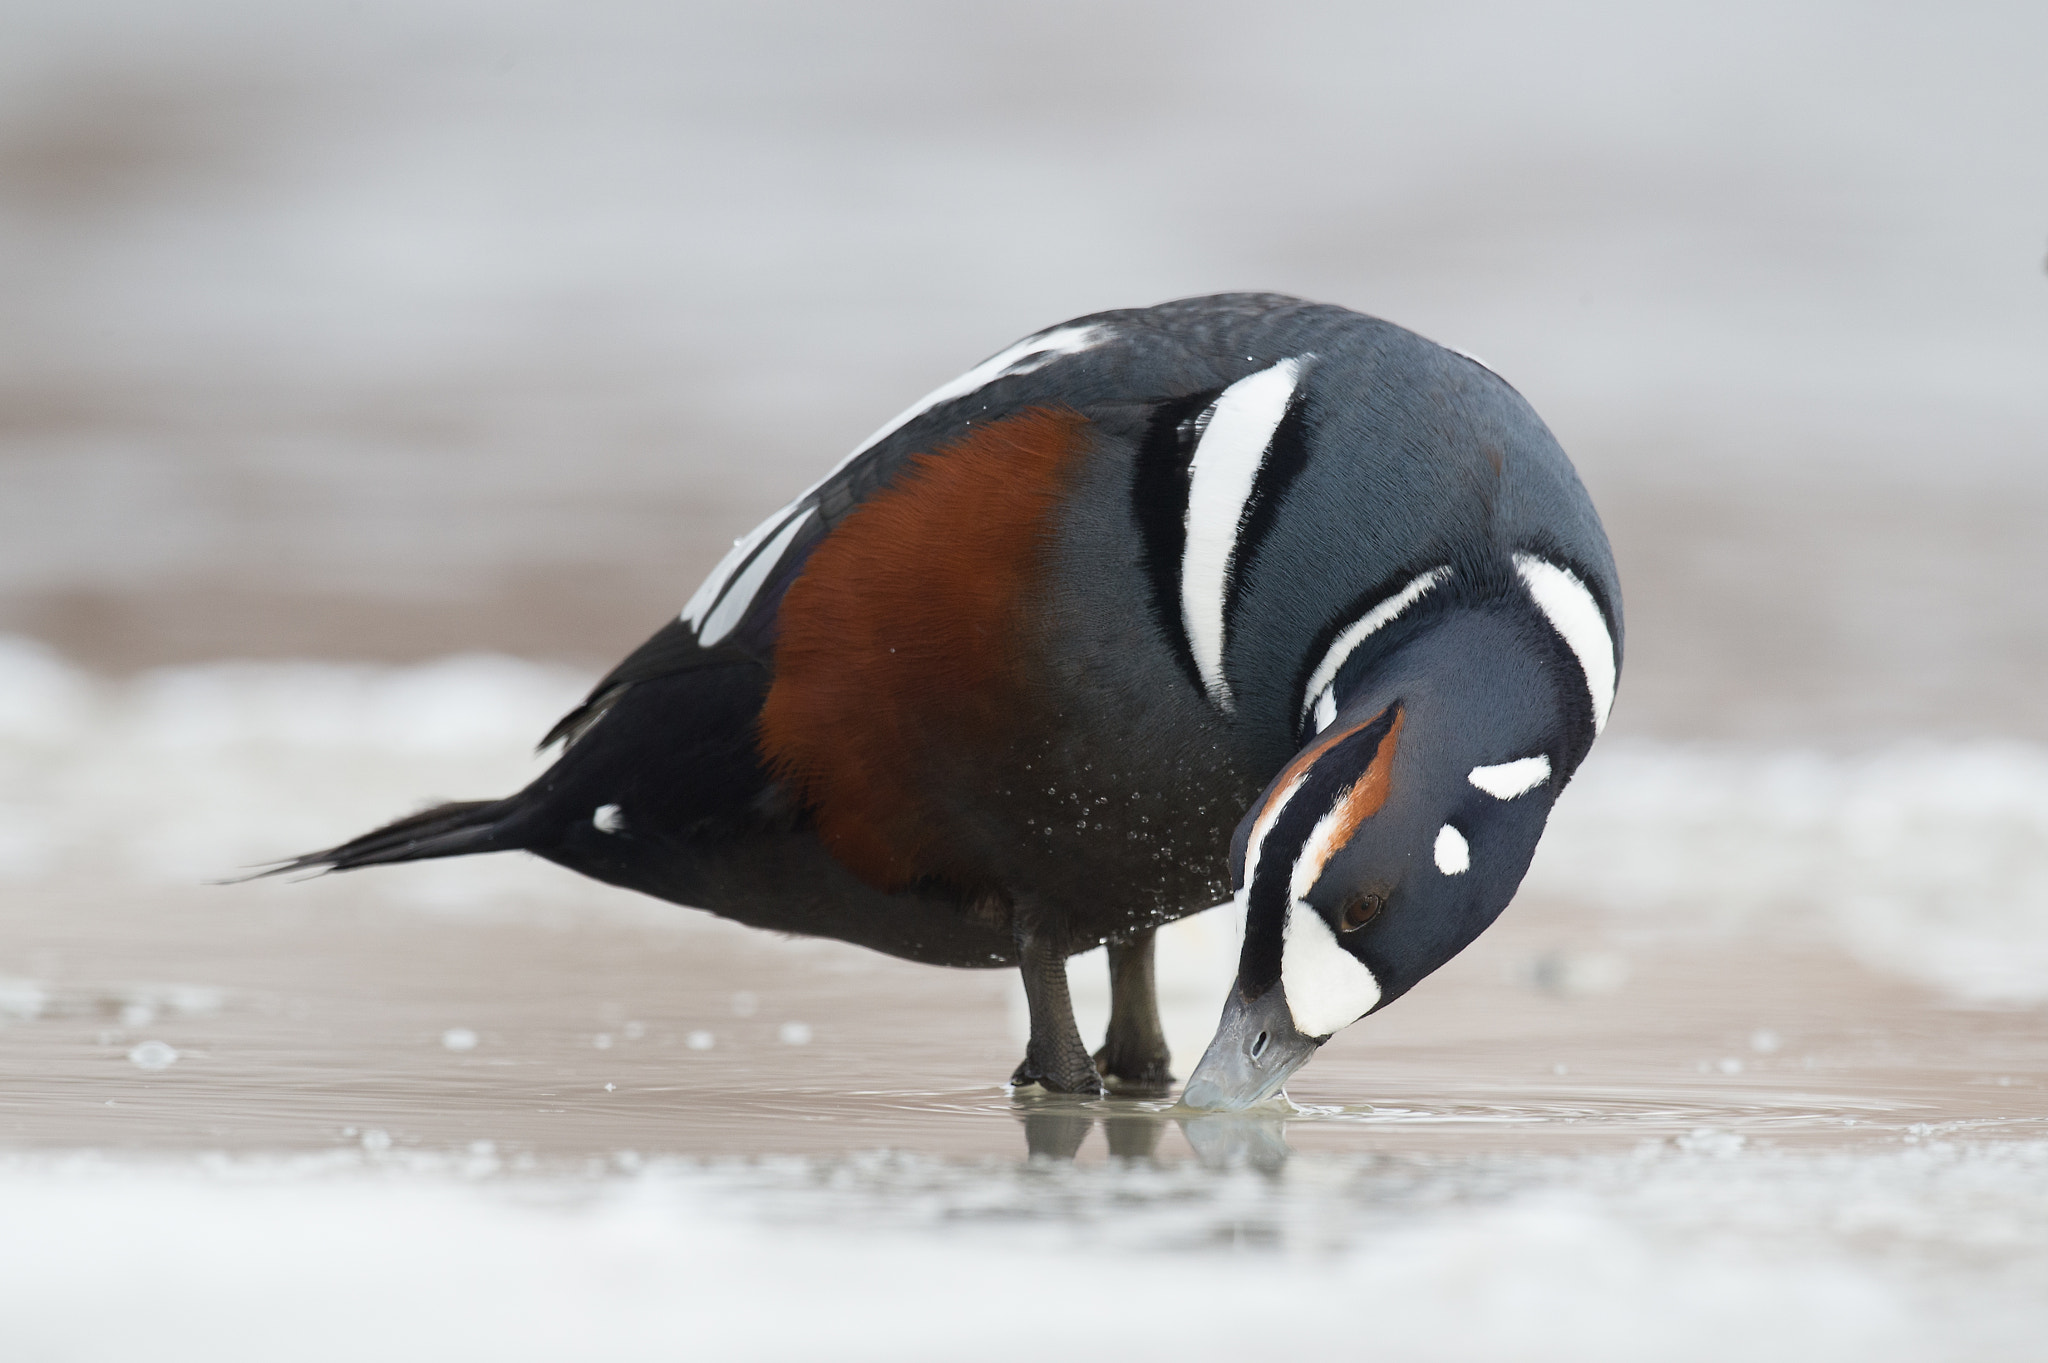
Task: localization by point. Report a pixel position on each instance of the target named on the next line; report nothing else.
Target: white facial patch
(1222, 474)
(1328, 988)
(1576, 616)
(1028, 354)
(1317, 695)
(1506, 780)
(608, 819)
(1453, 853)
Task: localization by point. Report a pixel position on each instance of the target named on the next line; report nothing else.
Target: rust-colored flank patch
(900, 650)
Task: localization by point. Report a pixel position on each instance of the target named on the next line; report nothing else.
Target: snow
(1695, 1249)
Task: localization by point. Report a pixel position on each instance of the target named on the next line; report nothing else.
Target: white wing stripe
(722, 621)
(707, 593)
(1222, 474)
(1042, 348)
(1380, 616)
(1575, 615)
(1021, 358)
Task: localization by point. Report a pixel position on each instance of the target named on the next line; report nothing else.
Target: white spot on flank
(1328, 988)
(459, 1039)
(608, 819)
(1222, 474)
(1315, 695)
(1576, 617)
(1021, 358)
(733, 607)
(1508, 779)
(1453, 853)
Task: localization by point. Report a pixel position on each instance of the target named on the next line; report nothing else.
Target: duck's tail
(450, 830)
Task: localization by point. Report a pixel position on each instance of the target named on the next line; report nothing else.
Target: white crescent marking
(1507, 780)
(1328, 988)
(1576, 616)
(1028, 354)
(1342, 647)
(1221, 477)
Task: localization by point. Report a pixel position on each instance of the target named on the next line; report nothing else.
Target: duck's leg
(1055, 1058)
(1133, 1058)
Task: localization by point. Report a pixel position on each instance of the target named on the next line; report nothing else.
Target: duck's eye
(1361, 911)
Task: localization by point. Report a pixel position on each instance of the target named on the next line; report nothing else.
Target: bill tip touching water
(1233, 597)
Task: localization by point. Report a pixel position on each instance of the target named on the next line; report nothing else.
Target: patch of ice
(459, 1039)
(794, 1033)
(1706, 1251)
(153, 1055)
(1927, 861)
(22, 1000)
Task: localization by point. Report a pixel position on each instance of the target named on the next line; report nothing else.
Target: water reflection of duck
(1000, 686)
(1056, 1126)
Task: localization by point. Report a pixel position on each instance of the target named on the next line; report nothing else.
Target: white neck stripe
(1264, 826)
(1222, 474)
(1381, 615)
(1576, 617)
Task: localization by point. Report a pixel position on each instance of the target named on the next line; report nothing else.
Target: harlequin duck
(999, 687)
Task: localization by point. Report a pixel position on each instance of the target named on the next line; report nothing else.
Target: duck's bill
(1256, 1048)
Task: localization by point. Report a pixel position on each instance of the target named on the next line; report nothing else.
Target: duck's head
(1397, 833)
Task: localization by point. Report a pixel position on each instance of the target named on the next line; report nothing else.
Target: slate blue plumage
(1119, 776)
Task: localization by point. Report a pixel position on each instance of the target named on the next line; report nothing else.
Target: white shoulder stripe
(1345, 644)
(1221, 475)
(1028, 354)
(1508, 780)
(1033, 352)
(1576, 616)
(727, 616)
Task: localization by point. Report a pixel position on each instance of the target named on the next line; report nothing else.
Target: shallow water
(1691, 1095)
(385, 331)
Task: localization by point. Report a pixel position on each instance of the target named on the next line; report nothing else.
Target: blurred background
(370, 330)
(374, 374)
